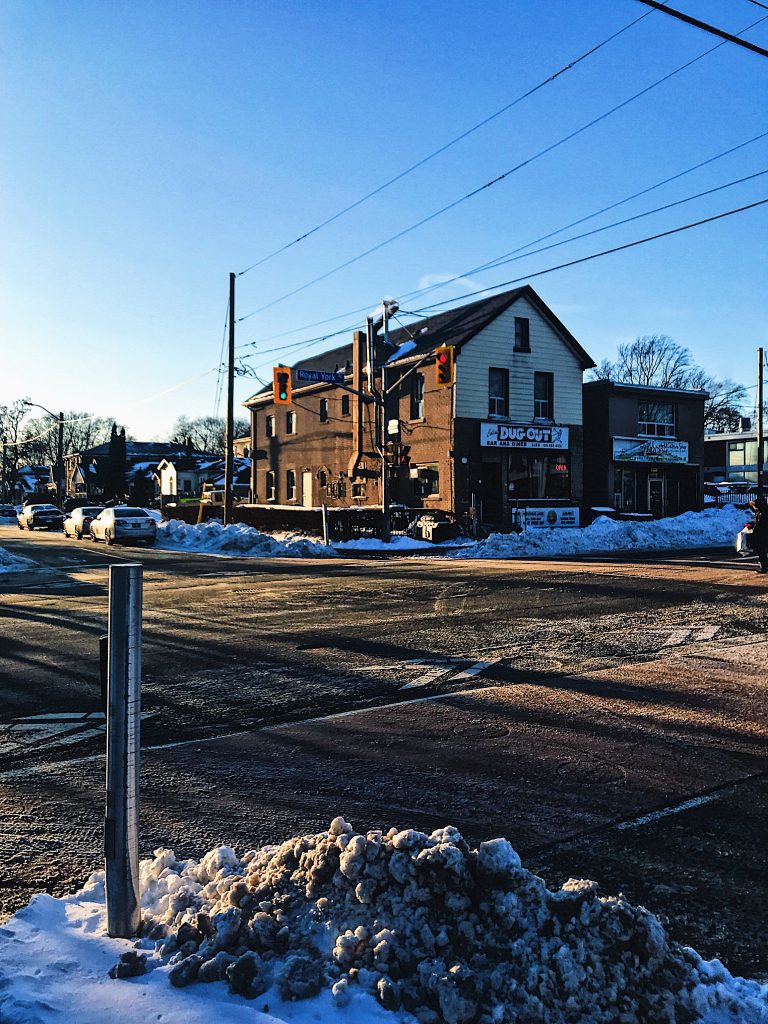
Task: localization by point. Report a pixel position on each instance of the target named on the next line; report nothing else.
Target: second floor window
(417, 397)
(270, 489)
(656, 419)
(290, 423)
(290, 485)
(270, 426)
(522, 334)
(544, 396)
(345, 405)
(498, 391)
(323, 410)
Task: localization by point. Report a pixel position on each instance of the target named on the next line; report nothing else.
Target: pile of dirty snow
(237, 539)
(420, 925)
(709, 528)
(12, 563)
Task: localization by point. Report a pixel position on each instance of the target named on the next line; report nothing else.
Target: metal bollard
(121, 826)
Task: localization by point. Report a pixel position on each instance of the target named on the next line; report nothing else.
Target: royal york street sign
(523, 435)
(321, 376)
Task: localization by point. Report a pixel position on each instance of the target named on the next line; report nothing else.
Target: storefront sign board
(523, 435)
(543, 518)
(652, 449)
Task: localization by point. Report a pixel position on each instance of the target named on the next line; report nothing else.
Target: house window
(417, 397)
(358, 490)
(345, 405)
(498, 392)
(543, 396)
(737, 453)
(290, 423)
(427, 482)
(522, 334)
(270, 490)
(656, 419)
(322, 477)
(270, 426)
(290, 485)
(323, 410)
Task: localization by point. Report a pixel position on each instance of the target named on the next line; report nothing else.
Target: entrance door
(657, 495)
(490, 491)
(306, 489)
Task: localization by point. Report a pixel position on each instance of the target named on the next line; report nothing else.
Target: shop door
(306, 489)
(490, 492)
(657, 495)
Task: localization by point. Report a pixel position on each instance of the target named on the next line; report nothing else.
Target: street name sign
(321, 376)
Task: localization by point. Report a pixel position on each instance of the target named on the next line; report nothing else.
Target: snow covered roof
(452, 327)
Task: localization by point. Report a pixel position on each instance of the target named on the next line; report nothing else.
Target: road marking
(474, 670)
(665, 812)
(691, 635)
(444, 667)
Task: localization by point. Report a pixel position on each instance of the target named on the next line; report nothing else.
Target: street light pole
(229, 457)
(59, 449)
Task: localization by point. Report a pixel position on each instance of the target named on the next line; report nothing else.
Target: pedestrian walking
(760, 532)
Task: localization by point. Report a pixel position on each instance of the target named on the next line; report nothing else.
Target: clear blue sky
(150, 148)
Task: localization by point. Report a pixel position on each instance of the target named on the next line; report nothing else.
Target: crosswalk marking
(691, 635)
(444, 667)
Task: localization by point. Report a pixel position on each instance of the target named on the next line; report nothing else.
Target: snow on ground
(237, 539)
(397, 543)
(12, 563)
(360, 929)
(710, 528)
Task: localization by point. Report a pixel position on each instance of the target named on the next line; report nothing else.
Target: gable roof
(452, 327)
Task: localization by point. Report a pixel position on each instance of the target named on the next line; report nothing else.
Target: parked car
(123, 523)
(40, 516)
(79, 520)
(7, 511)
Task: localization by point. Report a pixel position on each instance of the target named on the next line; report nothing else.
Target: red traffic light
(445, 366)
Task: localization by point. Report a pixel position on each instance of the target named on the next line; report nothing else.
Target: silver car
(79, 520)
(124, 524)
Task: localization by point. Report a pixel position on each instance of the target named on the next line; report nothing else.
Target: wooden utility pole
(760, 435)
(230, 452)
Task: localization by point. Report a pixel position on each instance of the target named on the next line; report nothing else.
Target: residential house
(32, 480)
(506, 434)
(643, 448)
(89, 473)
(184, 476)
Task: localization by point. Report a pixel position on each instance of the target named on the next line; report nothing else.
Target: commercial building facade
(732, 456)
(644, 448)
(507, 433)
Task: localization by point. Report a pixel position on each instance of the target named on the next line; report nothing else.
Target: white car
(124, 523)
(79, 520)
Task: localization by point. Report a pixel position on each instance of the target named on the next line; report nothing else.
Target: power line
(492, 182)
(542, 238)
(705, 26)
(596, 255)
(219, 377)
(442, 149)
(582, 259)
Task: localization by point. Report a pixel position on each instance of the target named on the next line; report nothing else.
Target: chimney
(358, 362)
(745, 424)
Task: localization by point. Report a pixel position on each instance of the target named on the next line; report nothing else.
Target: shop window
(544, 396)
(498, 391)
(323, 410)
(290, 423)
(522, 334)
(427, 481)
(270, 486)
(417, 396)
(656, 419)
(270, 426)
(345, 405)
(538, 476)
(290, 485)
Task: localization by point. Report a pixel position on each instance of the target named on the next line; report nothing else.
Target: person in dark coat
(760, 532)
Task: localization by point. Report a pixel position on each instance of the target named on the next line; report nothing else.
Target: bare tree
(11, 454)
(82, 430)
(208, 433)
(656, 360)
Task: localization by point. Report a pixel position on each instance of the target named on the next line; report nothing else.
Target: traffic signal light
(444, 364)
(281, 384)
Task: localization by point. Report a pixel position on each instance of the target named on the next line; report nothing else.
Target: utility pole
(230, 452)
(386, 525)
(2, 478)
(760, 435)
(60, 463)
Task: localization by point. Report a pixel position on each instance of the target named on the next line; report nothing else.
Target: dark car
(45, 517)
(7, 511)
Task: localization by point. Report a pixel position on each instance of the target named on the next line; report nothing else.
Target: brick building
(507, 433)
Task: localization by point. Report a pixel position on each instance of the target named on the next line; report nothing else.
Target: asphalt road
(546, 701)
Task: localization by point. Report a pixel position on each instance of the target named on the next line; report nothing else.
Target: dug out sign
(522, 435)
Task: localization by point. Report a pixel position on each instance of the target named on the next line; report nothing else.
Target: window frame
(270, 426)
(290, 487)
(653, 427)
(345, 406)
(549, 401)
(419, 482)
(270, 494)
(416, 397)
(525, 344)
(323, 412)
(493, 410)
(291, 426)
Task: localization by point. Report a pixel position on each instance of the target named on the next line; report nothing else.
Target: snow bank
(237, 539)
(12, 563)
(710, 528)
(346, 927)
(397, 543)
